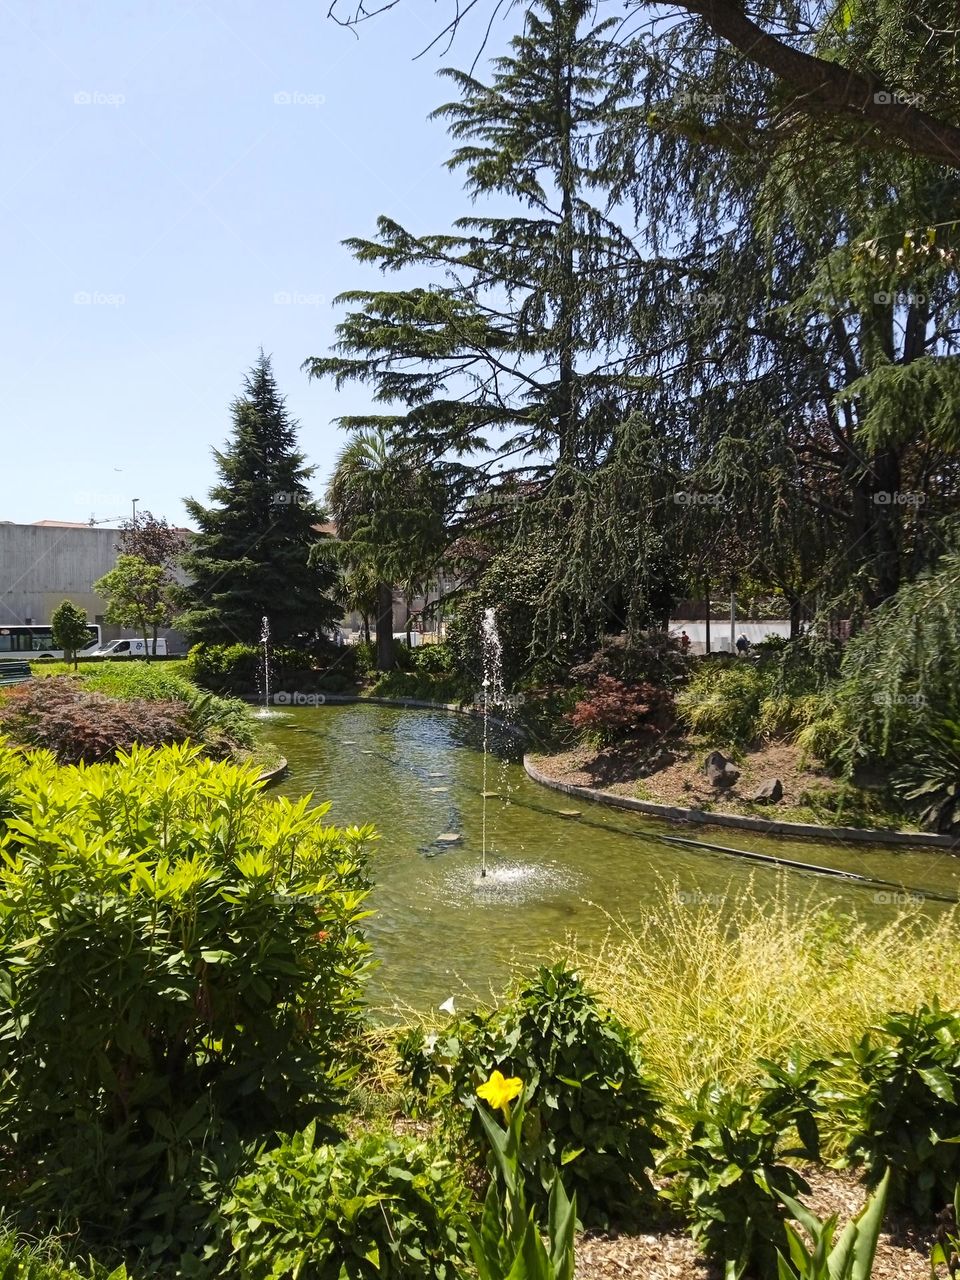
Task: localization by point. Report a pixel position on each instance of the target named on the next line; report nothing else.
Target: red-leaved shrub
(79, 726)
(614, 710)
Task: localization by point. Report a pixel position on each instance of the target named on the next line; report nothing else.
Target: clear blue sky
(155, 199)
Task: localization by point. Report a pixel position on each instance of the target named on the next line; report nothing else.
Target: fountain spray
(265, 644)
(492, 679)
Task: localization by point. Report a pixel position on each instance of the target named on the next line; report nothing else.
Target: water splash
(492, 654)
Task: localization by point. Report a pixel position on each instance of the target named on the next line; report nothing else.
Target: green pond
(440, 929)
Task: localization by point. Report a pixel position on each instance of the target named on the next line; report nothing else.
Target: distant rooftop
(69, 524)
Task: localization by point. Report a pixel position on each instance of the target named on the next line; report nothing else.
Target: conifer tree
(520, 342)
(250, 557)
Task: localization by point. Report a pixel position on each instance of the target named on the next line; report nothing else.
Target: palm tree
(388, 506)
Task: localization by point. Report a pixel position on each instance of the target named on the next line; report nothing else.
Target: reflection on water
(441, 929)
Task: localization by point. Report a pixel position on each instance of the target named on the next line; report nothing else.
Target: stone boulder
(720, 771)
(770, 791)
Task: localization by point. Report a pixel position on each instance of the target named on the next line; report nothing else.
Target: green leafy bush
(375, 1208)
(181, 969)
(237, 668)
(903, 1109)
(414, 684)
(591, 1108)
(930, 779)
(433, 659)
(732, 1168)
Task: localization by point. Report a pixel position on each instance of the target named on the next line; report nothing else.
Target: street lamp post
(135, 501)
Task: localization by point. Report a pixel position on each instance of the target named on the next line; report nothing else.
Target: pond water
(441, 930)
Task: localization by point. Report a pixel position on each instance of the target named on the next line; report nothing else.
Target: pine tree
(250, 555)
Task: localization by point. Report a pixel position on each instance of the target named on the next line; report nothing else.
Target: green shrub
(375, 1208)
(238, 668)
(591, 1109)
(732, 1164)
(181, 969)
(412, 684)
(903, 1109)
(433, 659)
(723, 698)
(930, 779)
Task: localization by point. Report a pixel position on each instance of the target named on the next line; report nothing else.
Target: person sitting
(684, 642)
(743, 644)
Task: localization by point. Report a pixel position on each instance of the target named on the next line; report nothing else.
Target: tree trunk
(706, 596)
(366, 628)
(146, 636)
(796, 612)
(385, 652)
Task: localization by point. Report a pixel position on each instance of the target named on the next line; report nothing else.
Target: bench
(14, 672)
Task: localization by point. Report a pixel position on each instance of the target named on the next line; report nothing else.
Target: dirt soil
(903, 1252)
(675, 776)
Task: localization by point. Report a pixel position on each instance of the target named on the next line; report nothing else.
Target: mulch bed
(903, 1252)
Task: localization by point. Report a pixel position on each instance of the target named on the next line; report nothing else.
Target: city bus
(26, 640)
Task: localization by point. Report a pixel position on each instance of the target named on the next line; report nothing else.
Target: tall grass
(47, 1259)
(714, 986)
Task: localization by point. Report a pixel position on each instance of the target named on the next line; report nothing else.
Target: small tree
(69, 629)
(137, 595)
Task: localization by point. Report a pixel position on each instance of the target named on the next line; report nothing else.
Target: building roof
(69, 524)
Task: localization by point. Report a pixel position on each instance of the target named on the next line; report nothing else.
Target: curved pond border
(674, 813)
(270, 776)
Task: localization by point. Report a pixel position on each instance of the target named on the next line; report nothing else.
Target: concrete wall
(43, 565)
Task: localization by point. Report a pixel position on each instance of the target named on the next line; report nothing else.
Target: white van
(130, 649)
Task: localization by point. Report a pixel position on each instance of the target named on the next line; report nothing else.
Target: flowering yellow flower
(500, 1092)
